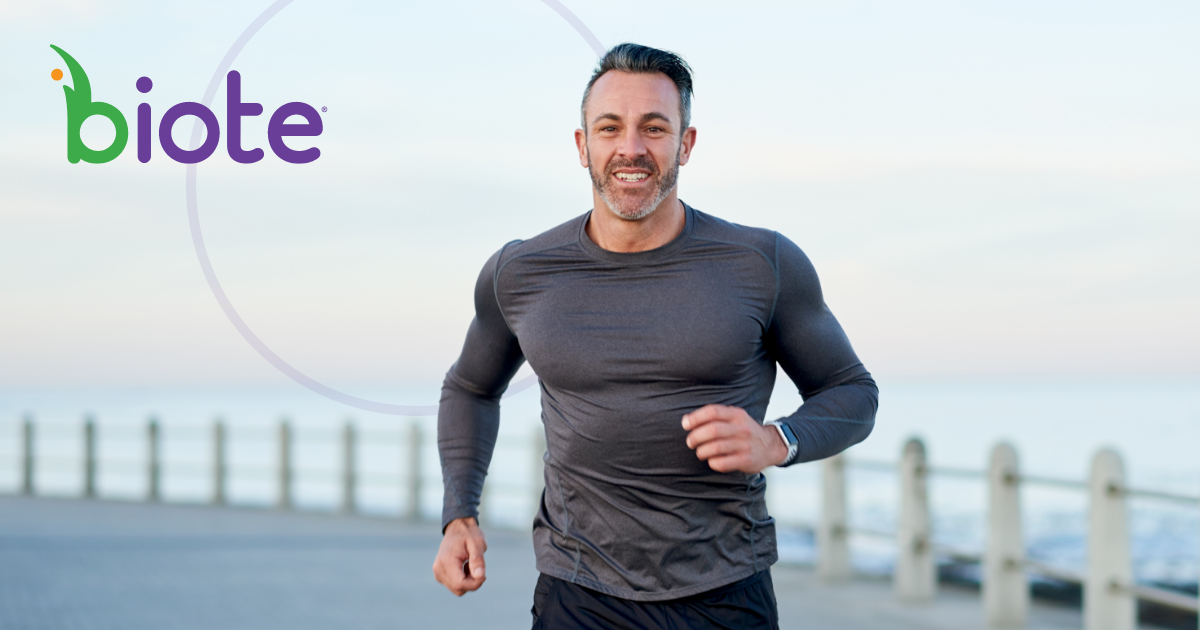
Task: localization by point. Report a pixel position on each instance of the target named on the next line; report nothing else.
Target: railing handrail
(1161, 596)
(1040, 480)
(1173, 497)
(1056, 482)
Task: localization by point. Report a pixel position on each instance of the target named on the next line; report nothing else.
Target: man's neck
(656, 229)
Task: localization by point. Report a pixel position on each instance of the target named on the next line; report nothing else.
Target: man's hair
(640, 59)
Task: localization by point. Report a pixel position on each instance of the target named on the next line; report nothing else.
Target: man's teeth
(631, 177)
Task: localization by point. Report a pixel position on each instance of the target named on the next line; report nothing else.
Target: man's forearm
(467, 426)
(469, 413)
(835, 419)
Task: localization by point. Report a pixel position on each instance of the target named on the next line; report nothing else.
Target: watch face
(791, 437)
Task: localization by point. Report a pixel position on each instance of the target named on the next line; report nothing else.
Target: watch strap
(788, 438)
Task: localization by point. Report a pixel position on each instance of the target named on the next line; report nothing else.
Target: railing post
(538, 482)
(89, 457)
(1105, 607)
(152, 460)
(833, 543)
(218, 463)
(412, 508)
(285, 465)
(349, 502)
(916, 577)
(1005, 585)
(27, 456)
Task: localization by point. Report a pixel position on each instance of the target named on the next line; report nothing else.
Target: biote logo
(80, 107)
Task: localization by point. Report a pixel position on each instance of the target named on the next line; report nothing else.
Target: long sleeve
(469, 411)
(840, 397)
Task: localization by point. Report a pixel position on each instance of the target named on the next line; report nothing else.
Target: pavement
(109, 565)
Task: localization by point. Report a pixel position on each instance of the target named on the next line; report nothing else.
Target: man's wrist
(462, 522)
(788, 439)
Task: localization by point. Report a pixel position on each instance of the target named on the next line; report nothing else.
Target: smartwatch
(789, 438)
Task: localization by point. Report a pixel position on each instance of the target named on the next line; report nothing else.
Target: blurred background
(1000, 200)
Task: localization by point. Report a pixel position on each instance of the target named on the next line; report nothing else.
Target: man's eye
(608, 129)
(654, 129)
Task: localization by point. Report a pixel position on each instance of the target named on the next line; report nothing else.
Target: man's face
(633, 144)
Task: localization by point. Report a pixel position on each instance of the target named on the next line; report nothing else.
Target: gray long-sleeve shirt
(625, 344)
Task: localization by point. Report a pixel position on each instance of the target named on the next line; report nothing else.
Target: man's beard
(629, 207)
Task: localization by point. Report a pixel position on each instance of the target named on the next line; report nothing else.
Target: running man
(655, 329)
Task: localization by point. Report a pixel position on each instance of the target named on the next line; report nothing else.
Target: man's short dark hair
(640, 59)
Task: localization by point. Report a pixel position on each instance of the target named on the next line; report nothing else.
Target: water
(1055, 426)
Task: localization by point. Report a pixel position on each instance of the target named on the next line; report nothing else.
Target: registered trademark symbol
(324, 109)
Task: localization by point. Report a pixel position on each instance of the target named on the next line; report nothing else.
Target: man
(655, 330)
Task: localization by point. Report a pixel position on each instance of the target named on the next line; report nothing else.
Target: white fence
(348, 475)
(1109, 592)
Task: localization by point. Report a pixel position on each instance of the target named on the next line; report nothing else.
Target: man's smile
(631, 178)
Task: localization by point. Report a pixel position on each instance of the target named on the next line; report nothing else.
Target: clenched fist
(459, 563)
(729, 439)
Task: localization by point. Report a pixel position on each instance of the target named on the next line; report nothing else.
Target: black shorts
(746, 604)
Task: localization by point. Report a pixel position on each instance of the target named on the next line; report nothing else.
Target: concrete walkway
(73, 564)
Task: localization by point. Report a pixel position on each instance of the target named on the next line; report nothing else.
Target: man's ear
(685, 145)
(581, 144)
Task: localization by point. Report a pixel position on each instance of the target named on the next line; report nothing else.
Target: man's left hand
(729, 439)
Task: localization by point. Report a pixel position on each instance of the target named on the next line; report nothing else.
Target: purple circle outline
(211, 276)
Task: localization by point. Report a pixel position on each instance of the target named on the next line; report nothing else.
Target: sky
(987, 190)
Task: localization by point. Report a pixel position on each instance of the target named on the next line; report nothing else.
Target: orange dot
(56, 74)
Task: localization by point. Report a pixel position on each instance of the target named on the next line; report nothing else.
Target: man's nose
(631, 144)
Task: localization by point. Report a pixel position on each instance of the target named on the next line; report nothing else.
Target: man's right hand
(459, 563)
